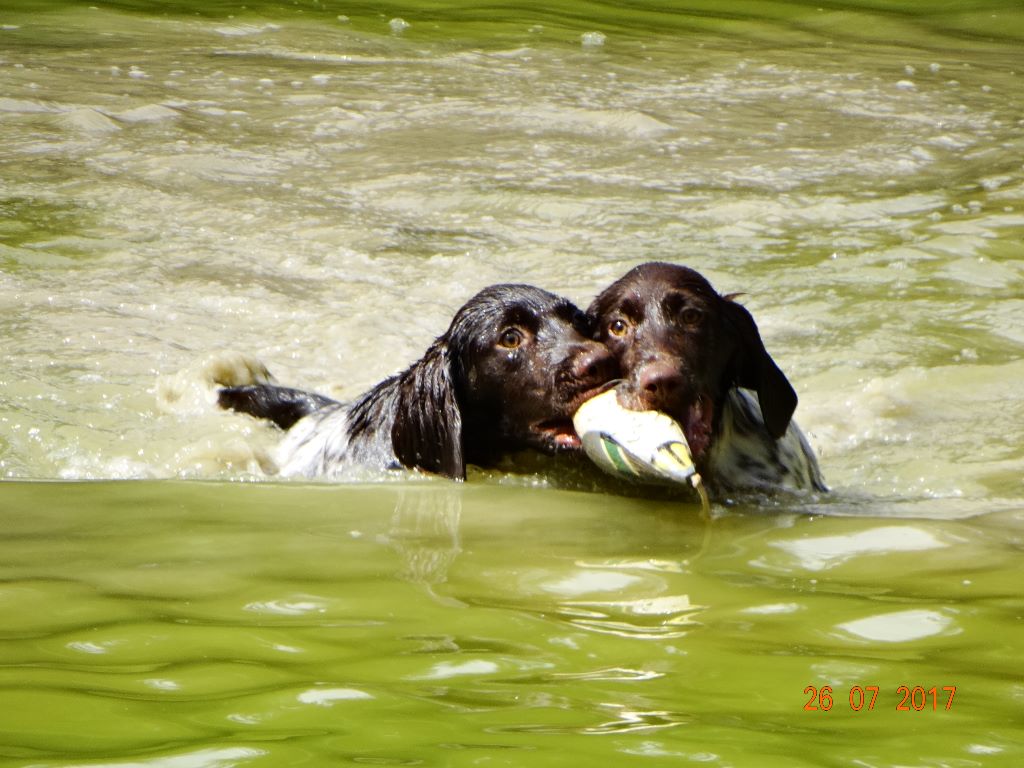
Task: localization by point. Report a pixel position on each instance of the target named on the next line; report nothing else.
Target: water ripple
(224, 757)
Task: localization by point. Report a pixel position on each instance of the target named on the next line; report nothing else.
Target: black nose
(658, 384)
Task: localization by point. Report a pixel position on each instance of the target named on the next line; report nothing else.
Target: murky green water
(432, 624)
(321, 186)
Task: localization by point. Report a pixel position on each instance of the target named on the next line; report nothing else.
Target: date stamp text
(867, 698)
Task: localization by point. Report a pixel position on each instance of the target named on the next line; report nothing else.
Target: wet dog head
(509, 373)
(681, 346)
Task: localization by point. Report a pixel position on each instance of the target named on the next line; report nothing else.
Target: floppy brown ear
(427, 432)
(755, 369)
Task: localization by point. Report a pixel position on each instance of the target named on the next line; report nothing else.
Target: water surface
(435, 624)
(321, 186)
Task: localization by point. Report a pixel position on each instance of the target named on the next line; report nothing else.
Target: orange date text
(866, 698)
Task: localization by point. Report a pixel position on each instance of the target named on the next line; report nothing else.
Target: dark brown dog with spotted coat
(508, 374)
(696, 355)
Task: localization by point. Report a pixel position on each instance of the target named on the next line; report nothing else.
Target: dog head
(681, 346)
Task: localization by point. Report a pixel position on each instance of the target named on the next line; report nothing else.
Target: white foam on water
(331, 230)
(88, 121)
(245, 30)
(147, 113)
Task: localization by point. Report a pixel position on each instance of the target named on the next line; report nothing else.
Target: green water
(431, 624)
(319, 186)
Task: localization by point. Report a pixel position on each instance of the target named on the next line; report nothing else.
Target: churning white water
(175, 193)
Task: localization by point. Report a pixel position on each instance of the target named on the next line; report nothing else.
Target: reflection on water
(425, 532)
(320, 193)
(901, 626)
(199, 624)
(818, 553)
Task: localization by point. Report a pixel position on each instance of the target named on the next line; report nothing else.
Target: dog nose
(658, 383)
(595, 365)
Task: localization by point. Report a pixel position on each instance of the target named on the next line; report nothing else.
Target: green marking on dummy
(616, 456)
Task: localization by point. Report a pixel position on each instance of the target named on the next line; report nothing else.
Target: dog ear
(427, 432)
(755, 369)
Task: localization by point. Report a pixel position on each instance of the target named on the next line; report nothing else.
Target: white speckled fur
(745, 456)
(319, 445)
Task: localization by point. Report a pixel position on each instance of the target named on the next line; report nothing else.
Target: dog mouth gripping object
(643, 446)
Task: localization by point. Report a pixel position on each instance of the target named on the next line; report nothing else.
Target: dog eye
(690, 316)
(511, 338)
(618, 327)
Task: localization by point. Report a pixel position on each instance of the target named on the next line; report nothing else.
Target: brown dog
(696, 355)
(507, 375)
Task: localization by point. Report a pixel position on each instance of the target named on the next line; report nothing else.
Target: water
(432, 624)
(182, 186)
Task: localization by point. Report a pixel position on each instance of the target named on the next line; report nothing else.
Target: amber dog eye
(511, 338)
(618, 327)
(690, 316)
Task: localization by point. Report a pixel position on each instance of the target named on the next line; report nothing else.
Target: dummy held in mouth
(644, 446)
